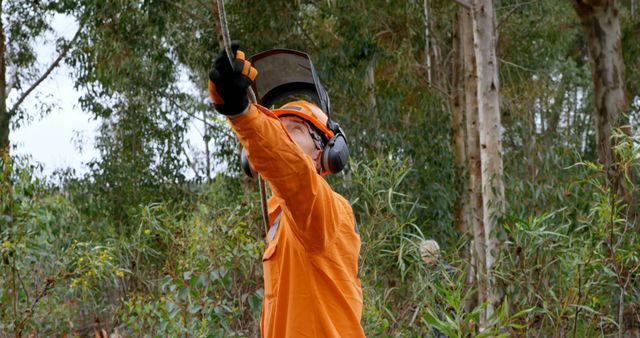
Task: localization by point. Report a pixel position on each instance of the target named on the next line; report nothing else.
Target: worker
(310, 264)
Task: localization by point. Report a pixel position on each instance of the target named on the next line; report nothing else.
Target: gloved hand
(228, 83)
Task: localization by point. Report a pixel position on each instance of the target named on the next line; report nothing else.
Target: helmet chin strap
(315, 136)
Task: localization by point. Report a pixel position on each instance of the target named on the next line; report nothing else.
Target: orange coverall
(311, 284)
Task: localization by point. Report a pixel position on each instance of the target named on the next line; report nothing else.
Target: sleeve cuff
(244, 118)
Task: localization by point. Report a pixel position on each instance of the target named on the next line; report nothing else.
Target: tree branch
(519, 66)
(464, 3)
(189, 13)
(53, 66)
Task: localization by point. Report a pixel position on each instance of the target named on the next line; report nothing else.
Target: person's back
(311, 281)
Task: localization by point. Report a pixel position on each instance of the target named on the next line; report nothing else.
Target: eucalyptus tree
(474, 166)
(457, 100)
(126, 63)
(22, 24)
(485, 61)
(485, 43)
(601, 23)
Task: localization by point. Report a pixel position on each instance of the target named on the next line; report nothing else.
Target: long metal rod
(226, 40)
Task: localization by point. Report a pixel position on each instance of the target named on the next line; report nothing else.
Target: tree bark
(207, 153)
(601, 22)
(602, 26)
(457, 126)
(427, 41)
(474, 187)
(433, 60)
(484, 32)
(4, 114)
(370, 87)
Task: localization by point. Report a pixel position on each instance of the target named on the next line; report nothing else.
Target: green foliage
(212, 287)
(576, 264)
(45, 251)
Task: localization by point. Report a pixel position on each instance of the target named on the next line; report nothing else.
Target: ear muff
(246, 165)
(336, 152)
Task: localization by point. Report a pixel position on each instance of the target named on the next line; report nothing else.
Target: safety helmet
(308, 112)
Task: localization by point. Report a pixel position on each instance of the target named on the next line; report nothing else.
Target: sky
(65, 137)
(49, 139)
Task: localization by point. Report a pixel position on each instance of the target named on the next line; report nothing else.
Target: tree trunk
(370, 87)
(433, 61)
(427, 41)
(474, 187)
(490, 137)
(4, 114)
(457, 127)
(602, 26)
(600, 19)
(207, 152)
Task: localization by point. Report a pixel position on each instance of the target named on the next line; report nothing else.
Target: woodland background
(134, 247)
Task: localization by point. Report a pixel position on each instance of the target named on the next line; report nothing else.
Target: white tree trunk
(427, 51)
(474, 186)
(490, 137)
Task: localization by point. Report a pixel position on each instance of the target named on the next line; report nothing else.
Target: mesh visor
(283, 73)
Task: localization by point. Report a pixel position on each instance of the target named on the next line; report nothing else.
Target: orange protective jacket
(311, 284)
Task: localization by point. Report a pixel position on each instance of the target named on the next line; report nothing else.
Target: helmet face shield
(286, 74)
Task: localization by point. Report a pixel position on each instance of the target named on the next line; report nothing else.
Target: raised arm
(292, 175)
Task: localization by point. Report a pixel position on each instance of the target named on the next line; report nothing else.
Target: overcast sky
(53, 139)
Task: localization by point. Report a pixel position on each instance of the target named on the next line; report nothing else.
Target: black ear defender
(335, 154)
(246, 165)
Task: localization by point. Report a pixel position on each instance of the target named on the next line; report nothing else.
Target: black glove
(228, 85)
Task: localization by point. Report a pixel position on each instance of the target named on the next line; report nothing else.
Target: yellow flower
(81, 259)
(120, 274)
(147, 231)
(75, 282)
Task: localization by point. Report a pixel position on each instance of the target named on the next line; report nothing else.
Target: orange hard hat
(308, 112)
